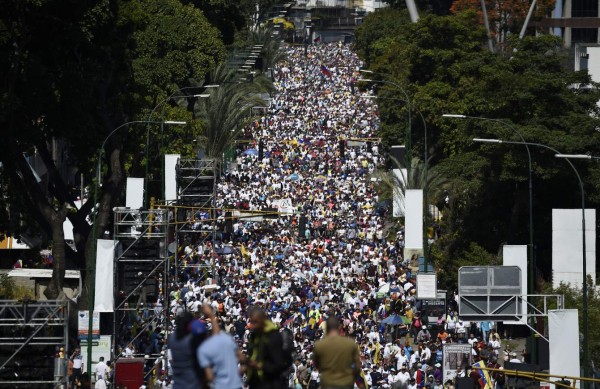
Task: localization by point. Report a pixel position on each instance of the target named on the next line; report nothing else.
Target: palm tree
(228, 109)
(394, 186)
(272, 51)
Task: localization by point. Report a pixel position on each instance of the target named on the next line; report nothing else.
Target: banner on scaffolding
(105, 252)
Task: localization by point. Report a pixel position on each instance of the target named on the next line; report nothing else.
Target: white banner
(426, 286)
(84, 324)
(399, 203)
(563, 336)
(100, 348)
(567, 246)
(456, 357)
(283, 205)
(134, 193)
(516, 255)
(171, 176)
(105, 252)
(414, 219)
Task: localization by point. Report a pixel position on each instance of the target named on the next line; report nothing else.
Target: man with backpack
(269, 360)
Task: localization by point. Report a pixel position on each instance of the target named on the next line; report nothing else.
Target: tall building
(575, 21)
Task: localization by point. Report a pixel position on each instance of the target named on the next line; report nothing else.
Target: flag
(361, 380)
(317, 39)
(325, 71)
(376, 356)
(289, 321)
(244, 252)
(485, 382)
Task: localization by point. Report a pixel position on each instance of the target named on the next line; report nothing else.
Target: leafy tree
(442, 63)
(574, 300)
(378, 31)
(271, 51)
(228, 109)
(505, 16)
(73, 71)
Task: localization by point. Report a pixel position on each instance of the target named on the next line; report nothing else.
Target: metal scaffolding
(30, 334)
(195, 219)
(141, 268)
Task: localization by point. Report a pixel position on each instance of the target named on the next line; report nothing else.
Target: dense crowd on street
(327, 260)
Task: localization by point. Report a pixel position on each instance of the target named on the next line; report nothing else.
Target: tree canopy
(444, 66)
(72, 72)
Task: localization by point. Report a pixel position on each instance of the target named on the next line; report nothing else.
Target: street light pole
(425, 178)
(408, 157)
(531, 287)
(567, 158)
(92, 268)
(408, 134)
(586, 346)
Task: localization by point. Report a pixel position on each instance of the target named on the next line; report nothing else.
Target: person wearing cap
(419, 375)
(424, 335)
(402, 378)
(412, 384)
(437, 373)
(514, 358)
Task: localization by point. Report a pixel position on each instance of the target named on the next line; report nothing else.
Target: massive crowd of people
(327, 254)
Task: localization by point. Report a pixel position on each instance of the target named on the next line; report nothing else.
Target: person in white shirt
(392, 376)
(472, 339)
(403, 377)
(461, 329)
(373, 336)
(414, 359)
(100, 384)
(100, 369)
(514, 358)
(401, 359)
(495, 344)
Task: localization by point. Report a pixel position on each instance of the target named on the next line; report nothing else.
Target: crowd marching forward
(299, 301)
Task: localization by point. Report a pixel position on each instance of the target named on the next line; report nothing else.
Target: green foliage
(381, 29)
(9, 290)
(171, 43)
(228, 109)
(271, 51)
(444, 66)
(574, 300)
(72, 72)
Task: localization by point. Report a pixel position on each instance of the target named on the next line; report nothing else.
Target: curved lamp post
(567, 158)
(92, 268)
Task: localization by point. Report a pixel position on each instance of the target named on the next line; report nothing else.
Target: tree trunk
(107, 194)
(55, 288)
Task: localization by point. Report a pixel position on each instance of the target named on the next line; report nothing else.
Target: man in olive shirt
(337, 358)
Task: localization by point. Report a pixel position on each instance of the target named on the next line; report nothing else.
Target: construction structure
(141, 268)
(32, 334)
(194, 214)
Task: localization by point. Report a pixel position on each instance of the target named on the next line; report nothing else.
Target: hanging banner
(105, 253)
(456, 358)
(101, 347)
(84, 323)
(171, 161)
(283, 206)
